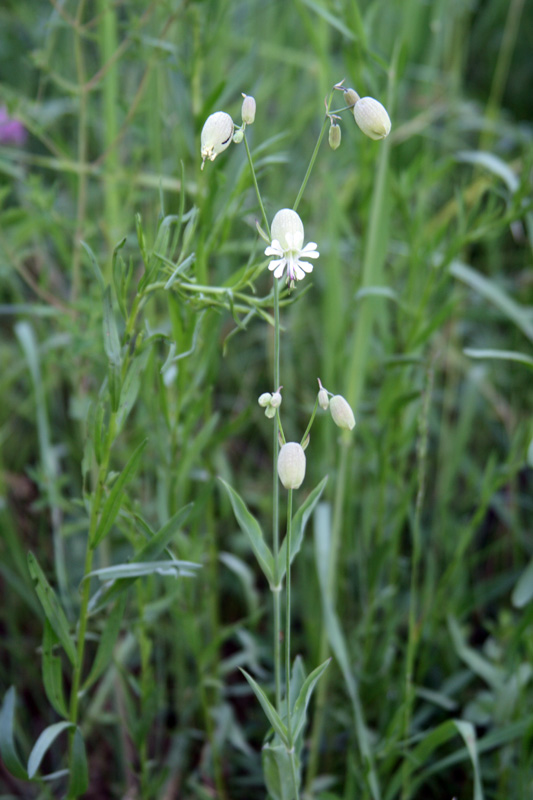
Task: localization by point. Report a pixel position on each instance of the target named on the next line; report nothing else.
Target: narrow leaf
(52, 608)
(7, 736)
(467, 731)
(111, 339)
(52, 671)
(268, 708)
(299, 522)
(45, 740)
(523, 591)
(79, 771)
(108, 639)
(94, 264)
(249, 525)
(502, 355)
(136, 569)
(114, 501)
(300, 707)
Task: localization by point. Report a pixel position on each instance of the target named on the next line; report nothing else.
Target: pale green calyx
(323, 399)
(217, 134)
(334, 136)
(372, 118)
(248, 109)
(341, 412)
(291, 465)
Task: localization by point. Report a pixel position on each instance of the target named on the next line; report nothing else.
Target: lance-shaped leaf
(114, 501)
(300, 707)
(52, 671)
(52, 608)
(271, 713)
(8, 750)
(299, 521)
(107, 642)
(277, 771)
(79, 771)
(250, 526)
(45, 740)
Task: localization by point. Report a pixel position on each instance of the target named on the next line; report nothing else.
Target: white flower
(217, 134)
(372, 118)
(287, 233)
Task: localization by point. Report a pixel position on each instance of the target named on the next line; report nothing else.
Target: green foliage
(137, 319)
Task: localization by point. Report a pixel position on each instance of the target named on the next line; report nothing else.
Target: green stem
(313, 415)
(82, 153)
(315, 153)
(288, 645)
(275, 510)
(258, 193)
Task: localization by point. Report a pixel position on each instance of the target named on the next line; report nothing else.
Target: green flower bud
(351, 97)
(334, 136)
(270, 412)
(291, 465)
(248, 109)
(372, 118)
(238, 136)
(341, 412)
(264, 399)
(323, 399)
(217, 134)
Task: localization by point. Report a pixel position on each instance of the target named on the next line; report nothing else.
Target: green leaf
(299, 522)
(114, 501)
(130, 388)
(277, 771)
(523, 591)
(45, 740)
(52, 608)
(7, 736)
(137, 569)
(111, 339)
(492, 675)
(107, 642)
(52, 671)
(300, 707)
(249, 525)
(502, 355)
(79, 771)
(468, 732)
(271, 713)
(94, 264)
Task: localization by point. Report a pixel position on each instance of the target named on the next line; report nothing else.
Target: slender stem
(315, 153)
(313, 415)
(288, 617)
(82, 153)
(275, 509)
(258, 193)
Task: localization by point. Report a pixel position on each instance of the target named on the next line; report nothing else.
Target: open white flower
(287, 233)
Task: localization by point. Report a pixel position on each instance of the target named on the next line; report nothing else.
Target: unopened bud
(264, 399)
(248, 109)
(291, 465)
(276, 400)
(270, 412)
(372, 118)
(351, 97)
(334, 136)
(323, 399)
(238, 136)
(217, 134)
(341, 412)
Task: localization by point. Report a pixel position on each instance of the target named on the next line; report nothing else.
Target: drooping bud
(217, 134)
(371, 116)
(351, 97)
(334, 136)
(238, 136)
(341, 412)
(270, 412)
(323, 399)
(286, 222)
(264, 399)
(248, 109)
(291, 465)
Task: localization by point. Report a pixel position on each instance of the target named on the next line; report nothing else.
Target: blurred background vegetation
(426, 264)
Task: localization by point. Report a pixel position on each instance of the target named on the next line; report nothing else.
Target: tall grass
(137, 320)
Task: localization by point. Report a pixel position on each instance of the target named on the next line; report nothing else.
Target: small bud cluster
(219, 130)
(341, 412)
(270, 402)
(370, 115)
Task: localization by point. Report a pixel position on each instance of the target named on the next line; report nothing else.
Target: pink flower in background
(11, 130)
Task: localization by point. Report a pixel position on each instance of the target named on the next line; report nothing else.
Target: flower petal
(280, 269)
(274, 249)
(275, 264)
(305, 266)
(299, 274)
(310, 251)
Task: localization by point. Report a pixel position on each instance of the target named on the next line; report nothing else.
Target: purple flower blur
(11, 130)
